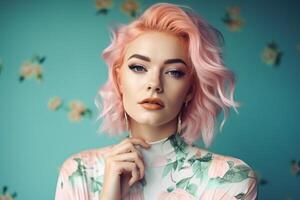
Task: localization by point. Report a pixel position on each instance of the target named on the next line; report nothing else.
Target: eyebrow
(169, 61)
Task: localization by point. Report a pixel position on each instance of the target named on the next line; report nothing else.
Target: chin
(152, 120)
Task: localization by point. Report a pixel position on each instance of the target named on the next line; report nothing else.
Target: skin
(154, 79)
(139, 78)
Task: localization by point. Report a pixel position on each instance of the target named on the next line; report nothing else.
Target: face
(155, 66)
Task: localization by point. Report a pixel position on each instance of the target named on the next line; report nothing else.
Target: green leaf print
(192, 188)
(196, 166)
(179, 145)
(96, 185)
(199, 173)
(244, 168)
(235, 174)
(180, 163)
(80, 172)
(175, 165)
(206, 158)
(230, 163)
(240, 196)
(183, 183)
(170, 188)
(167, 169)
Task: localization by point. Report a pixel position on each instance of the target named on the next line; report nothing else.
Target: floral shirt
(173, 170)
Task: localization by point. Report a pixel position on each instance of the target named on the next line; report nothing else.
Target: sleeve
(71, 183)
(246, 189)
(230, 179)
(63, 188)
(251, 189)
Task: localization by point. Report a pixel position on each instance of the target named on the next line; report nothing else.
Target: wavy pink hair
(211, 76)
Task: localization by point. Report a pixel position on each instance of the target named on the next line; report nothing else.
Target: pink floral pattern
(192, 173)
(177, 194)
(218, 168)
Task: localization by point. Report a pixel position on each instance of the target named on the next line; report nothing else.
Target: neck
(151, 133)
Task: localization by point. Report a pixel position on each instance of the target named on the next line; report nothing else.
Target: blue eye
(137, 68)
(176, 73)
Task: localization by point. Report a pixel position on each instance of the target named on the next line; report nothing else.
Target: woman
(166, 86)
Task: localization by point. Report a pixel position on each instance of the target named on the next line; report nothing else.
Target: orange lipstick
(152, 103)
(151, 106)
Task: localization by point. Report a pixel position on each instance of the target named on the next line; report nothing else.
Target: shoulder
(219, 161)
(228, 174)
(81, 174)
(84, 161)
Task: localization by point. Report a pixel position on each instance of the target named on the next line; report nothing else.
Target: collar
(164, 151)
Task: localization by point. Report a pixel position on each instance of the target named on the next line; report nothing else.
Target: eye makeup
(176, 73)
(137, 67)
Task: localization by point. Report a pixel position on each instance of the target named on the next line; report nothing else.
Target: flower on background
(74, 116)
(37, 71)
(77, 106)
(233, 20)
(26, 70)
(32, 68)
(103, 6)
(295, 167)
(55, 103)
(130, 7)
(177, 194)
(271, 54)
(78, 110)
(4, 195)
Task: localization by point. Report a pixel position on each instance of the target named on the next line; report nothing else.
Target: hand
(124, 166)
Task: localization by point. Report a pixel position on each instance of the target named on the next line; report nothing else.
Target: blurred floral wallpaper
(51, 70)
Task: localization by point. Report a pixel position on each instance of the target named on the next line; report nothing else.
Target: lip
(152, 104)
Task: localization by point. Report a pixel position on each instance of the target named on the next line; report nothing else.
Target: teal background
(34, 141)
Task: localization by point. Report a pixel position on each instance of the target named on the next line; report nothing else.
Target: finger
(135, 176)
(141, 142)
(124, 148)
(132, 157)
(128, 167)
(137, 141)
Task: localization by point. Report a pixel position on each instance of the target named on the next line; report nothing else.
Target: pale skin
(155, 65)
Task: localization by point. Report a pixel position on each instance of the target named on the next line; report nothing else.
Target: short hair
(211, 76)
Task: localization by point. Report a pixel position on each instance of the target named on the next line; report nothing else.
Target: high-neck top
(160, 152)
(173, 170)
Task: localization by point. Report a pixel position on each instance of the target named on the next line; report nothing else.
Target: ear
(118, 79)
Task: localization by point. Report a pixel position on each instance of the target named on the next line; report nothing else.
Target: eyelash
(176, 73)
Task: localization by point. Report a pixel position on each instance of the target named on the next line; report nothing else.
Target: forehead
(157, 45)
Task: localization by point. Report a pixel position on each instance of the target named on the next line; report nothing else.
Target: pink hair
(210, 75)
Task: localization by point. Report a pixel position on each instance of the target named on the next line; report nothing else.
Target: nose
(155, 84)
(157, 88)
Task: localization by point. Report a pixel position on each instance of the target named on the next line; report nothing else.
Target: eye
(137, 68)
(176, 73)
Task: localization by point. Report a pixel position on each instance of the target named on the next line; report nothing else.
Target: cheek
(130, 88)
(177, 93)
